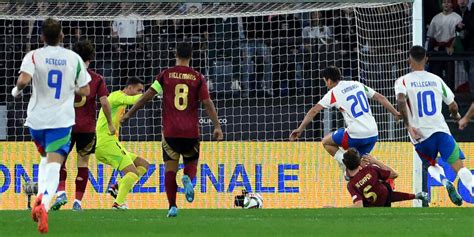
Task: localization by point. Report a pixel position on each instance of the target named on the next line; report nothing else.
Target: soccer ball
(253, 200)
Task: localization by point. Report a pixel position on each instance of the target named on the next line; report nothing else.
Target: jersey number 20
(423, 108)
(181, 96)
(55, 79)
(359, 98)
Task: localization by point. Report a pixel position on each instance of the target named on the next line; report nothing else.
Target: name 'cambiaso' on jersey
(425, 92)
(350, 97)
(55, 72)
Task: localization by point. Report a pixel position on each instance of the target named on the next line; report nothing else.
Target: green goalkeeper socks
(125, 184)
(141, 171)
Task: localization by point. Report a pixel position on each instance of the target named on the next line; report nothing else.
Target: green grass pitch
(381, 222)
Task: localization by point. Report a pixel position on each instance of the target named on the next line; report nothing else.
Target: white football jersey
(350, 97)
(127, 26)
(425, 93)
(55, 72)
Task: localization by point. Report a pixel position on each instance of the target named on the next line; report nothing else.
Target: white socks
(41, 174)
(338, 157)
(465, 176)
(51, 183)
(437, 173)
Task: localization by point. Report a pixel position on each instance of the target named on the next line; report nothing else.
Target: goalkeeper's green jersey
(118, 101)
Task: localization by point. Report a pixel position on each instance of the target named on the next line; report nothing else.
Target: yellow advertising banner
(287, 174)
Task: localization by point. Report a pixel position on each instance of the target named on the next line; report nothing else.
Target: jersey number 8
(181, 96)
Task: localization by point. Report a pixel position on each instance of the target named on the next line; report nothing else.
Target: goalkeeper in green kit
(110, 151)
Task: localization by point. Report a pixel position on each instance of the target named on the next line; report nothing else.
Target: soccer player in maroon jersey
(83, 132)
(368, 185)
(183, 88)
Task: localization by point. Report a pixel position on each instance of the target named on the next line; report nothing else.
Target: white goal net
(262, 62)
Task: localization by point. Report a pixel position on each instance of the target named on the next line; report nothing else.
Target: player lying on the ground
(467, 117)
(183, 89)
(350, 97)
(368, 185)
(423, 94)
(83, 132)
(110, 151)
(55, 73)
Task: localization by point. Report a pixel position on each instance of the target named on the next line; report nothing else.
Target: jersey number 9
(181, 97)
(55, 79)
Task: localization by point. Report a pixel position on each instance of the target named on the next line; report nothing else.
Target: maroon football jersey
(368, 185)
(86, 107)
(183, 89)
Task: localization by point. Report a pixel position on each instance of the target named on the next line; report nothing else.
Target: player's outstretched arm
(104, 102)
(372, 160)
(83, 91)
(357, 204)
(385, 103)
(465, 120)
(23, 80)
(149, 94)
(212, 113)
(402, 106)
(307, 120)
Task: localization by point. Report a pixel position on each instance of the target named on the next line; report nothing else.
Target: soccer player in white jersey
(350, 97)
(56, 74)
(420, 95)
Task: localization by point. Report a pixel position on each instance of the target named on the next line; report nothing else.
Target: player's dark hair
(184, 50)
(134, 81)
(51, 29)
(351, 159)
(331, 73)
(85, 49)
(417, 53)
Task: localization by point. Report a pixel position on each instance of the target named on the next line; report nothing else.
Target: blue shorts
(362, 145)
(439, 142)
(52, 140)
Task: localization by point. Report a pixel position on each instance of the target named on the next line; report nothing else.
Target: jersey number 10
(423, 108)
(55, 79)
